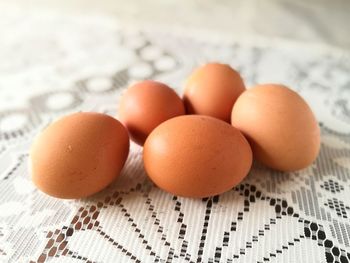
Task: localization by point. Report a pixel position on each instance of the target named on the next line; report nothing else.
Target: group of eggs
(201, 154)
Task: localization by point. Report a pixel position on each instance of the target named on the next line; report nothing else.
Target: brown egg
(147, 104)
(279, 125)
(79, 155)
(212, 90)
(196, 156)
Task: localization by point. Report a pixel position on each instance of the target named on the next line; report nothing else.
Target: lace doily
(52, 65)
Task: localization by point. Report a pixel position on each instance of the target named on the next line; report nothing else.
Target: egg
(212, 90)
(78, 155)
(280, 126)
(147, 104)
(196, 156)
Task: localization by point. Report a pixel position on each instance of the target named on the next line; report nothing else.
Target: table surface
(53, 63)
(311, 21)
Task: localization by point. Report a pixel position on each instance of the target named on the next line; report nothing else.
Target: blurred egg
(147, 104)
(196, 156)
(79, 155)
(212, 90)
(280, 126)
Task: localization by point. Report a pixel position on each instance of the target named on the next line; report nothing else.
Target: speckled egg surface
(78, 155)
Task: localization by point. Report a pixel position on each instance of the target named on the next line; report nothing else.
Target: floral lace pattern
(54, 65)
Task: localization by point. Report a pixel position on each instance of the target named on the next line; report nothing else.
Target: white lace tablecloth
(51, 65)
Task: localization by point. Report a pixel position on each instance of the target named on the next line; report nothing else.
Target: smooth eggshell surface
(280, 126)
(79, 155)
(212, 90)
(147, 104)
(196, 156)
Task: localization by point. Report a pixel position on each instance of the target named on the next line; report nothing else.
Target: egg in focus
(147, 104)
(280, 126)
(196, 156)
(78, 155)
(212, 90)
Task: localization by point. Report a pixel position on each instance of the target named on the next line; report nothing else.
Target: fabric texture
(52, 65)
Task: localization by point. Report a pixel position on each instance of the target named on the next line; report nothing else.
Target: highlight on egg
(212, 89)
(147, 104)
(78, 155)
(280, 126)
(196, 156)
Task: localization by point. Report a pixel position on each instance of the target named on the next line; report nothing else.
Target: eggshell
(79, 155)
(212, 90)
(196, 156)
(147, 104)
(280, 126)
